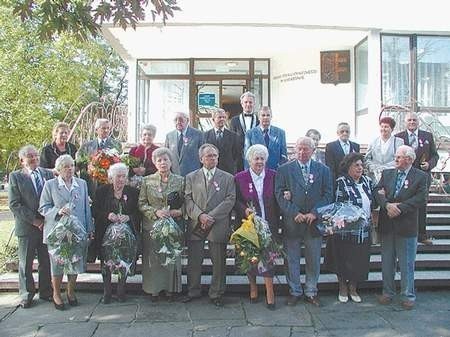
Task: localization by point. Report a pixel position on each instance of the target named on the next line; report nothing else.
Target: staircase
(432, 263)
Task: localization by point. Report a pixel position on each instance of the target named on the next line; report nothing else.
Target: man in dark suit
(273, 138)
(335, 151)
(184, 143)
(400, 193)
(243, 122)
(210, 195)
(225, 140)
(308, 184)
(24, 191)
(426, 159)
(103, 142)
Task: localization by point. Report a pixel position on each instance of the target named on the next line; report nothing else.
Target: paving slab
(375, 332)
(111, 313)
(309, 332)
(203, 309)
(141, 329)
(347, 320)
(162, 312)
(202, 325)
(260, 331)
(85, 329)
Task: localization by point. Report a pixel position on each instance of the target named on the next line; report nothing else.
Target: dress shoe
(59, 306)
(188, 298)
(292, 300)
(342, 298)
(73, 302)
(384, 299)
(218, 301)
(26, 303)
(407, 305)
(314, 300)
(355, 298)
(154, 298)
(270, 306)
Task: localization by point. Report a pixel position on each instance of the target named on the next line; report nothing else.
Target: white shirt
(345, 146)
(33, 177)
(365, 199)
(384, 145)
(258, 182)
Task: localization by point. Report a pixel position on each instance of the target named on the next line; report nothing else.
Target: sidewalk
(140, 317)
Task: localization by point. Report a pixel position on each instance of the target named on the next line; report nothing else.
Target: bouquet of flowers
(100, 162)
(119, 248)
(133, 162)
(255, 245)
(67, 244)
(343, 218)
(168, 237)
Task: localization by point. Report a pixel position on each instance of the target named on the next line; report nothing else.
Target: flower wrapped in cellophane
(119, 248)
(255, 246)
(168, 237)
(67, 244)
(343, 218)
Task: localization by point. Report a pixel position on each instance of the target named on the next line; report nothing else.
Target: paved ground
(140, 317)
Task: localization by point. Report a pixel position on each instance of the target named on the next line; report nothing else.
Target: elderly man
(308, 184)
(400, 193)
(244, 122)
(103, 142)
(210, 195)
(426, 159)
(24, 191)
(318, 155)
(272, 137)
(184, 143)
(225, 140)
(335, 151)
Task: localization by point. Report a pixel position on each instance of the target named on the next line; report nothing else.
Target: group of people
(200, 179)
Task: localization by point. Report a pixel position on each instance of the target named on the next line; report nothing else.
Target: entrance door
(211, 94)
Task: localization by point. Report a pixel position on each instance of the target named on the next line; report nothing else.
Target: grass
(7, 253)
(4, 204)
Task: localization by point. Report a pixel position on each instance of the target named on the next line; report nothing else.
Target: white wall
(301, 104)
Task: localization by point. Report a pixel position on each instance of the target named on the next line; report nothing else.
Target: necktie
(346, 148)
(413, 140)
(102, 144)
(399, 182)
(208, 175)
(305, 173)
(180, 143)
(219, 135)
(38, 181)
(266, 137)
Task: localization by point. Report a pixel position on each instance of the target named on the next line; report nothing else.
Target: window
(361, 76)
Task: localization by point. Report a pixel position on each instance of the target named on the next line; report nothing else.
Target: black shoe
(72, 302)
(188, 298)
(292, 300)
(59, 306)
(26, 303)
(218, 301)
(270, 306)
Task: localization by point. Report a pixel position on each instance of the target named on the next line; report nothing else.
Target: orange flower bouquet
(100, 162)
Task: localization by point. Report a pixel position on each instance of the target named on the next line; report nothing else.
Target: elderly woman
(381, 152)
(155, 197)
(114, 203)
(255, 193)
(144, 152)
(58, 147)
(347, 255)
(65, 195)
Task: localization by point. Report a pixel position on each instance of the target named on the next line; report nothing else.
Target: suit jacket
(306, 196)
(188, 159)
(216, 198)
(23, 199)
(237, 126)
(426, 149)
(411, 197)
(333, 157)
(377, 161)
(277, 145)
(91, 147)
(228, 146)
(153, 198)
(246, 193)
(54, 197)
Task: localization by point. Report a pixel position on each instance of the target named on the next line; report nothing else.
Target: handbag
(174, 200)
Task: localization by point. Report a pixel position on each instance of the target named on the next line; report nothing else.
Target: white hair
(25, 150)
(161, 151)
(116, 169)
(99, 122)
(248, 94)
(62, 161)
(150, 128)
(306, 141)
(408, 150)
(257, 150)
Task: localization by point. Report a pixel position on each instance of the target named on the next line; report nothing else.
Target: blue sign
(205, 99)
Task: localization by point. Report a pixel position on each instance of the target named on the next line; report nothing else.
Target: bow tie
(248, 115)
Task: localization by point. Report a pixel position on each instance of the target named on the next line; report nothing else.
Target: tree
(83, 18)
(40, 81)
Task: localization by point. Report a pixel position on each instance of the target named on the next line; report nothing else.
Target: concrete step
(438, 219)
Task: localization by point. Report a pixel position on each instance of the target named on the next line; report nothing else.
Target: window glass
(361, 75)
(169, 67)
(223, 67)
